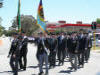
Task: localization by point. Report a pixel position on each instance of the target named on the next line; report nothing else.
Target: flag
(19, 17)
(40, 17)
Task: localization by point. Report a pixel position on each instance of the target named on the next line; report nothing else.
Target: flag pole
(18, 16)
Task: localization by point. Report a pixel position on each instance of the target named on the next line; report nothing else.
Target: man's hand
(76, 51)
(8, 56)
(14, 55)
(85, 48)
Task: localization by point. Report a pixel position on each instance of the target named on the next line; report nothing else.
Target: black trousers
(23, 60)
(73, 58)
(61, 55)
(52, 58)
(87, 54)
(14, 64)
(81, 57)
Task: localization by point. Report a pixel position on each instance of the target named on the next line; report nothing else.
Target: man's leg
(79, 59)
(12, 63)
(46, 62)
(59, 57)
(75, 61)
(88, 54)
(63, 56)
(16, 66)
(54, 59)
(83, 55)
(50, 59)
(41, 63)
(25, 61)
(20, 61)
(71, 60)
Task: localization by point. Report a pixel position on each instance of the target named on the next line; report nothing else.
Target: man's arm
(10, 51)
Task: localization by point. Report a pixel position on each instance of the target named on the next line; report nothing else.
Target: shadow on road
(32, 66)
(5, 72)
(66, 71)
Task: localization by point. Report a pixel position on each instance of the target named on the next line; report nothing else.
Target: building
(63, 26)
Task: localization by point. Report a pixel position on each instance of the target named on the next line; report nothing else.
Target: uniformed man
(81, 49)
(53, 50)
(43, 53)
(15, 53)
(61, 48)
(88, 47)
(73, 51)
(23, 52)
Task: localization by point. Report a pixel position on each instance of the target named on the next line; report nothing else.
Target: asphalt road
(91, 68)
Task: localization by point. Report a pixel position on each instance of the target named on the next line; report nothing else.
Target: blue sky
(54, 10)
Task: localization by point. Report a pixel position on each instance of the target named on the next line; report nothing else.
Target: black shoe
(15, 73)
(40, 73)
(50, 67)
(75, 69)
(81, 66)
(62, 63)
(21, 68)
(53, 66)
(71, 68)
(59, 63)
(87, 61)
(24, 69)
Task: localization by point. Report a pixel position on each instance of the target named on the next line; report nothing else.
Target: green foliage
(98, 20)
(0, 20)
(1, 30)
(9, 32)
(28, 24)
(1, 27)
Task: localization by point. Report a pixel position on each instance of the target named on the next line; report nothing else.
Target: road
(91, 68)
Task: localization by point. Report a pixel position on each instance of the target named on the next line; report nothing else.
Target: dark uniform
(61, 49)
(15, 53)
(73, 52)
(68, 45)
(81, 49)
(53, 50)
(42, 55)
(88, 48)
(23, 54)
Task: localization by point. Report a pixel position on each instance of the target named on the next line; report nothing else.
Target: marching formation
(51, 48)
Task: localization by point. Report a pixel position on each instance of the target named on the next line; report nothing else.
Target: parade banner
(19, 17)
(40, 17)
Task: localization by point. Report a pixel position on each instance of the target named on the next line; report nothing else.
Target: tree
(0, 20)
(1, 27)
(98, 20)
(1, 3)
(28, 24)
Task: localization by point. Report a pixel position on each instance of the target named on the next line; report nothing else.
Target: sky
(54, 10)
